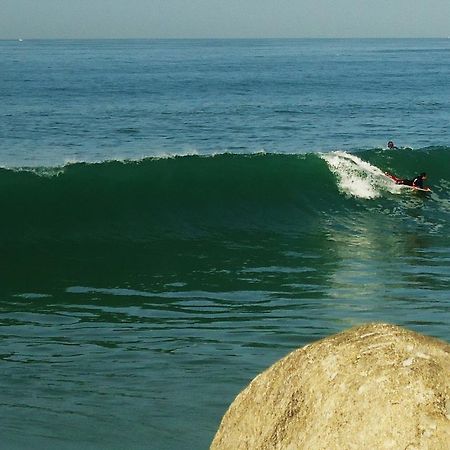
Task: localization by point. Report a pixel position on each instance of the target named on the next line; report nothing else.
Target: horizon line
(221, 38)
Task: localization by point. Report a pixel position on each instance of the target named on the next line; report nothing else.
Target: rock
(376, 386)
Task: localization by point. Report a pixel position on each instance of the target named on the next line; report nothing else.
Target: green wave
(116, 223)
(184, 195)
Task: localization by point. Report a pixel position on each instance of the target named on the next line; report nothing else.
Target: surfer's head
(390, 144)
(423, 175)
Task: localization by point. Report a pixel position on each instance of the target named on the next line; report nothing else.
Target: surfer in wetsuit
(391, 145)
(416, 182)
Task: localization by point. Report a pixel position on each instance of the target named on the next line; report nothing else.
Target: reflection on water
(384, 275)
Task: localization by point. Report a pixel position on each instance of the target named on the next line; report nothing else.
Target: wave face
(144, 212)
(139, 200)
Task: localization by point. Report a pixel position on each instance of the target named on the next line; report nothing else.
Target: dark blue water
(140, 291)
(96, 100)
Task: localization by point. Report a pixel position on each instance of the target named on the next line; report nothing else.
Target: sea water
(178, 215)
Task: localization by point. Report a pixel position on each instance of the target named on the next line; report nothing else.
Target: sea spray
(357, 177)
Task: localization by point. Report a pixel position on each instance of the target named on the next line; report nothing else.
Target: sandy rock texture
(376, 386)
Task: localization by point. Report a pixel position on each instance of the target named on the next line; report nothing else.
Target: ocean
(177, 215)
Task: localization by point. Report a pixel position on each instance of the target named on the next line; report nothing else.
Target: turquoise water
(178, 215)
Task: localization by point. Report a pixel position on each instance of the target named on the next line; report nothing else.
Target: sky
(47, 19)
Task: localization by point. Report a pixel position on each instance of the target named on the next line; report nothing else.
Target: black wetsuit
(418, 182)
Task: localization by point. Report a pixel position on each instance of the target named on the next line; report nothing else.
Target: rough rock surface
(376, 386)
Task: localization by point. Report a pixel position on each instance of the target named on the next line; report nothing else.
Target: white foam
(356, 177)
(47, 172)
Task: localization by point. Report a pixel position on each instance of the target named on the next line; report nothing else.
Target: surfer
(416, 182)
(391, 145)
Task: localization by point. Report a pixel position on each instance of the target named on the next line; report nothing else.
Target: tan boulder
(376, 386)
